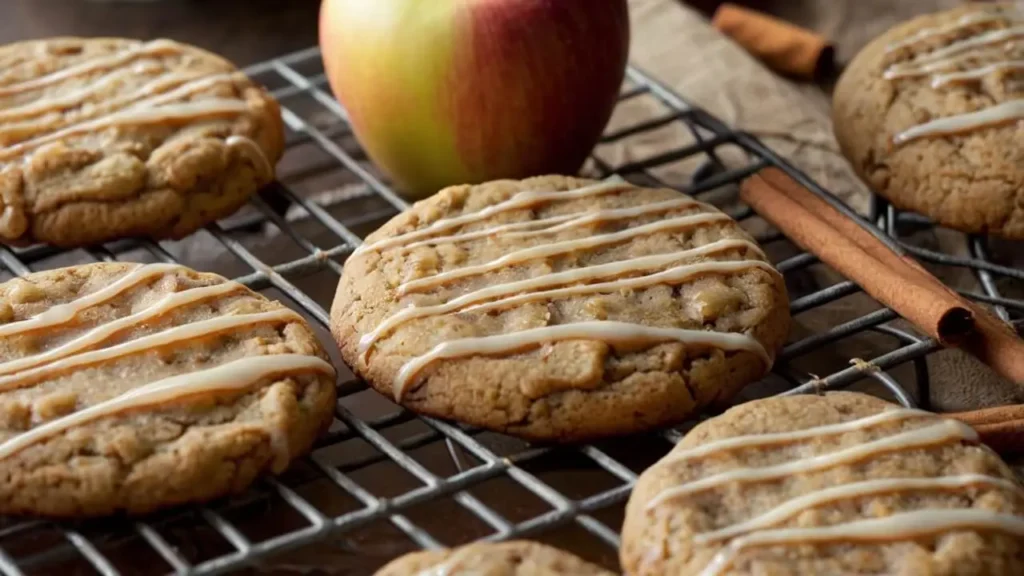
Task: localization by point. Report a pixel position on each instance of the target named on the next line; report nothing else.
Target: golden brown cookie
(105, 138)
(929, 113)
(560, 309)
(517, 558)
(837, 484)
(131, 388)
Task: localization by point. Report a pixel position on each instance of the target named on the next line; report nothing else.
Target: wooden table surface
(244, 31)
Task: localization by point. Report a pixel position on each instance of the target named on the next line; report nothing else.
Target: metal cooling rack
(384, 482)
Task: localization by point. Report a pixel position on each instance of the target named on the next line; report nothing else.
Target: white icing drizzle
(673, 275)
(68, 100)
(794, 506)
(150, 342)
(760, 530)
(66, 312)
(532, 285)
(768, 439)
(252, 150)
(505, 230)
(606, 331)
(553, 285)
(147, 104)
(1003, 113)
(187, 89)
(926, 69)
(185, 111)
(899, 526)
(91, 65)
(947, 58)
(234, 375)
(240, 374)
(942, 80)
(939, 433)
(562, 247)
(147, 95)
(962, 46)
(519, 201)
(564, 222)
(972, 19)
(102, 332)
(153, 92)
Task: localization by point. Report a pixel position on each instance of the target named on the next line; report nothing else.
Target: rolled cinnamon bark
(895, 280)
(783, 47)
(936, 312)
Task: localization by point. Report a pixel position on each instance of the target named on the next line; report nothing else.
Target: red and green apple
(443, 92)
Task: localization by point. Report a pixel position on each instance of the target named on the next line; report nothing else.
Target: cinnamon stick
(897, 281)
(1002, 428)
(937, 313)
(849, 228)
(783, 47)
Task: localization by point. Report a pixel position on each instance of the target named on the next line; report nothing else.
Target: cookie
(560, 309)
(129, 388)
(837, 484)
(107, 138)
(928, 115)
(518, 558)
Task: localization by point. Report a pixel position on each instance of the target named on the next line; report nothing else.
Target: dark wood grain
(244, 31)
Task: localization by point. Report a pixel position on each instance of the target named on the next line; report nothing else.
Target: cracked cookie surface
(906, 116)
(132, 388)
(106, 138)
(842, 483)
(516, 558)
(560, 309)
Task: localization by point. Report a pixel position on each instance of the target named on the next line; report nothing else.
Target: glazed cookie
(837, 484)
(928, 115)
(560, 309)
(131, 388)
(106, 138)
(520, 558)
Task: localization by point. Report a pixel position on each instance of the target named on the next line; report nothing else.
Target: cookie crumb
(24, 292)
(864, 366)
(6, 312)
(54, 405)
(15, 415)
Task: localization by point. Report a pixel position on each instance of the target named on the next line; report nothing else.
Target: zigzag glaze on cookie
(156, 109)
(761, 530)
(947, 59)
(81, 352)
(134, 128)
(567, 283)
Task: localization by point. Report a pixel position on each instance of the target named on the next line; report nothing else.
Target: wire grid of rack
(385, 481)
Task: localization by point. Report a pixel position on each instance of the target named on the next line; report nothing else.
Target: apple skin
(443, 92)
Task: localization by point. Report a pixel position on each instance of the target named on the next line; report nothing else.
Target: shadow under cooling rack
(384, 481)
